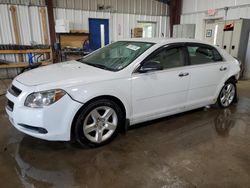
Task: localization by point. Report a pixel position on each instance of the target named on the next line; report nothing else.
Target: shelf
(25, 64)
(25, 51)
(19, 65)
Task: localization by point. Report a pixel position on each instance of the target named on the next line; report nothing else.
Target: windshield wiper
(97, 65)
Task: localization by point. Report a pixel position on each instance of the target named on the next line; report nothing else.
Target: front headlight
(44, 98)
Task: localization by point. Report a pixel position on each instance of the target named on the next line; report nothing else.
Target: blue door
(98, 33)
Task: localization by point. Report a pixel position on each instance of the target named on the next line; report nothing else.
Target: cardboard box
(62, 26)
(138, 32)
(62, 29)
(62, 22)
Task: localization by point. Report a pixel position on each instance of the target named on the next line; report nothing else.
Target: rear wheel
(99, 123)
(227, 95)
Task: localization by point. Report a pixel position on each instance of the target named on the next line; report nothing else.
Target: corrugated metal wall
(120, 24)
(25, 2)
(29, 21)
(195, 11)
(192, 6)
(148, 7)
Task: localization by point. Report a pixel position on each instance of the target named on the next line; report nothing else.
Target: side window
(217, 56)
(202, 54)
(169, 57)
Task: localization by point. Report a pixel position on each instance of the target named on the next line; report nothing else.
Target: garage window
(203, 54)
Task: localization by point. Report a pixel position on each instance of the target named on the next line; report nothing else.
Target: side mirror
(149, 66)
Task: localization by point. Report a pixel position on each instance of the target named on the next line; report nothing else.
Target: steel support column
(49, 4)
(174, 11)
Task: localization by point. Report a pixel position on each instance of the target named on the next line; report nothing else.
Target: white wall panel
(189, 6)
(25, 2)
(6, 34)
(204, 4)
(238, 9)
(242, 2)
(120, 25)
(222, 4)
(24, 24)
(149, 7)
(35, 25)
(29, 22)
(192, 6)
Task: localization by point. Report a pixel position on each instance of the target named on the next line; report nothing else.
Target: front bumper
(49, 123)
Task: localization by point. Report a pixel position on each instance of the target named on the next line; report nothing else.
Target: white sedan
(122, 84)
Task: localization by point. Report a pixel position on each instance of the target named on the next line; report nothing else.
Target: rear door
(207, 71)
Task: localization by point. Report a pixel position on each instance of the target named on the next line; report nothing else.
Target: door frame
(109, 21)
(170, 45)
(204, 23)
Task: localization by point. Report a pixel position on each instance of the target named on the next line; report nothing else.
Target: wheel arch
(232, 78)
(109, 97)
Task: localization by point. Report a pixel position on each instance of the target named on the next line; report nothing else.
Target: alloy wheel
(100, 124)
(227, 94)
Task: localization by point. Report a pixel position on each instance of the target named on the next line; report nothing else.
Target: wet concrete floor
(201, 148)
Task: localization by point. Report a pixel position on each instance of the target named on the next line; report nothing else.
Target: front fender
(119, 88)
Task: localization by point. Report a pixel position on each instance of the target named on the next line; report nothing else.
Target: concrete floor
(201, 148)
(4, 83)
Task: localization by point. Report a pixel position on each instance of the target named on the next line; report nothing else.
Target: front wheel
(227, 95)
(99, 123)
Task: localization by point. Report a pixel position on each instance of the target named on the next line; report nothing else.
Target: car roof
(165, 40)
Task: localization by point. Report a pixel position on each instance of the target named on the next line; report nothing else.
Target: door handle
(183, 74)
(223, 68)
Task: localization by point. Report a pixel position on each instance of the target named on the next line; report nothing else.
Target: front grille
(10, 105)
(14, 91)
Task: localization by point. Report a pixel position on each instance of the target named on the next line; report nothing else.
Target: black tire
(233, 100)
(79, 134)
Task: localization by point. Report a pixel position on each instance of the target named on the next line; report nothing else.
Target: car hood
(69, 72)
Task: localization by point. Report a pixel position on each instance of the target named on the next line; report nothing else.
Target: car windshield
(117, 55)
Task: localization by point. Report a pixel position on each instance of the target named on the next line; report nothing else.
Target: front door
(98, 33)
(159, 93)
